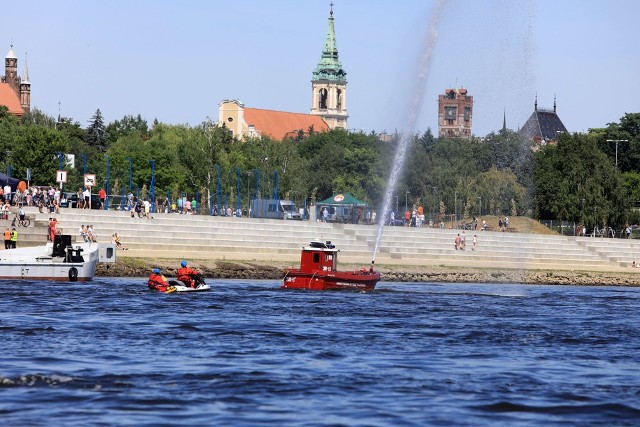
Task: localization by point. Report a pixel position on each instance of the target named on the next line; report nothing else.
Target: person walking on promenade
(463, 241)
(475, 242)
(457, 241)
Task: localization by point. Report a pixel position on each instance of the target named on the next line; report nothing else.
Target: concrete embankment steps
(206, 237)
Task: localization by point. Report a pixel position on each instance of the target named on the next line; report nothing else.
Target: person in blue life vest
(187, 275)
(158, 281)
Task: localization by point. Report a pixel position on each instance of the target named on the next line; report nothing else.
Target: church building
(15, 91)
(543, 126)
(329, 83)
(328, 104)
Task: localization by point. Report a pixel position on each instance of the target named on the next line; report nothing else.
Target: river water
(112, 353)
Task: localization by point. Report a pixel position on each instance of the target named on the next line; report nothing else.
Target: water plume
(415, 106)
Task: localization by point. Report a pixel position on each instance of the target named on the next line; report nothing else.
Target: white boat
(59, 261)
(182, 288)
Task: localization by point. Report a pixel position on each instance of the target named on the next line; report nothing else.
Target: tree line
(576, 179)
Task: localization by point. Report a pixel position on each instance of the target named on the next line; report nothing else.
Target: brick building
(15, 91)
(455, 114)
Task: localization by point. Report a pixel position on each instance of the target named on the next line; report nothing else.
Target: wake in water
(414, 109)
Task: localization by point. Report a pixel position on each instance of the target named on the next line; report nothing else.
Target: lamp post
(616, 141)
(248, 193)
(397, 204)
(153, 193)
(60, 157)
(130, 173)
(455, 207)
(106, 201)
(479, 206)
(406, 206)
(433, 214)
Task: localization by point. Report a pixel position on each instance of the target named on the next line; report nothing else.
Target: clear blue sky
(176, 60)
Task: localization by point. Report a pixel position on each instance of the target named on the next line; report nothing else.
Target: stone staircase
(206, 237)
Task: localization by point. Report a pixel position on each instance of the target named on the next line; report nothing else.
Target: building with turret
(455, 114)
(15, 91)
(329, 83)
(543, 126)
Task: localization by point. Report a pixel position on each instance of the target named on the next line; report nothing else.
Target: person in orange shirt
(52, 229)
(407, 218)
(102, 195)
(7, 238)
(187, 275)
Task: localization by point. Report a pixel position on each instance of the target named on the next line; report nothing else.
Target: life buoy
(73, 274)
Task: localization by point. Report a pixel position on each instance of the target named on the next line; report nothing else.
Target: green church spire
(329, 67)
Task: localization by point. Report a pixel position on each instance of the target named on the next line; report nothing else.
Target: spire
(554, 103)
(504, 120)
(25, 79)
(11, 54)
(329, 67)
(535, 105)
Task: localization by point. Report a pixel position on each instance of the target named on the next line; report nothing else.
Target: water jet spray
(415, 106)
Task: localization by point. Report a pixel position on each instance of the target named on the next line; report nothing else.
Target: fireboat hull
(319, 281)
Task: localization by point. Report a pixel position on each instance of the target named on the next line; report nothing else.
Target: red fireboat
(318, 271)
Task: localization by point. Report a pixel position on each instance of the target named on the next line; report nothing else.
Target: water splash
(428, 46)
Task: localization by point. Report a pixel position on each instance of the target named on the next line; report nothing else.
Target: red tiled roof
(9, 99)
(280, 124)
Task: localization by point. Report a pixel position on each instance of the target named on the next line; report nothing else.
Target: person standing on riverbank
(475, 242)
(14, 238)
(7, 238)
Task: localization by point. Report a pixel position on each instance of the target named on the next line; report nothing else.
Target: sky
(174, 61)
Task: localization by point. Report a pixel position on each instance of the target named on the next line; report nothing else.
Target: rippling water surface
(248, 353)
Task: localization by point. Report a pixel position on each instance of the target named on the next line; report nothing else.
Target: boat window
(316, 258)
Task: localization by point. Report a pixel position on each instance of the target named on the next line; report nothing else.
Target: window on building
(339, 96)
(323, 99)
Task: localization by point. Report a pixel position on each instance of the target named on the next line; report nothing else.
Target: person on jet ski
(158, 281)
(187, 275)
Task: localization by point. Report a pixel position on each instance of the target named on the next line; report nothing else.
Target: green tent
(342, 199)
(342, 207)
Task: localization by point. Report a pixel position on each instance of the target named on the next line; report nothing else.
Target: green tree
(96, 134)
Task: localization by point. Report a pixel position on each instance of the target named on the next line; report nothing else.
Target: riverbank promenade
(199, 237)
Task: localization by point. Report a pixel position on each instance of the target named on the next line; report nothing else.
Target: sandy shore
(141, 267)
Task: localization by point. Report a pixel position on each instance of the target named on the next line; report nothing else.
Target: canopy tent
(342, 207)
(342, 199)
(13, 182)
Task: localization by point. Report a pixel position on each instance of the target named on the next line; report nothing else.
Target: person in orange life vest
(158, 281)
(187, 275)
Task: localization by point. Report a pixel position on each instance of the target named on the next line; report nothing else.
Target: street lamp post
(616, 141)
(153, 192)
(106, 201)
(479, 206)
(130, 174)
(455, 207)
(406, 205)
(397, 204)
(433, 214)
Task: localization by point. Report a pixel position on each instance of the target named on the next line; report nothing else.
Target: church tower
(11, 70)
(329, 84)
(25, 89)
